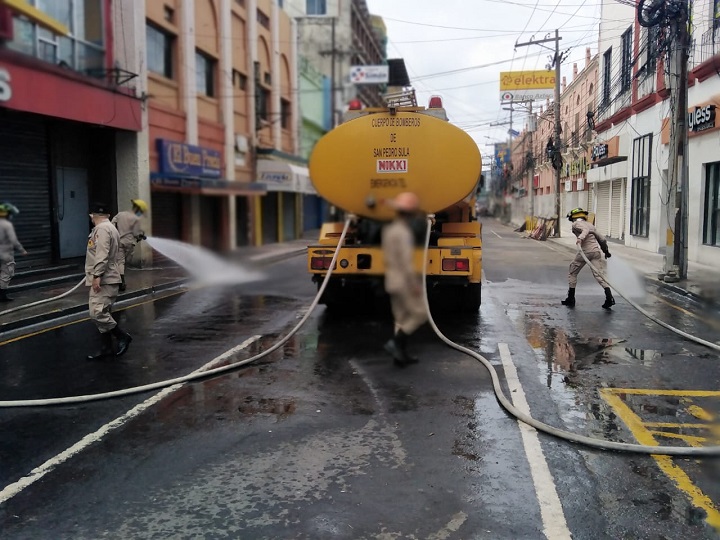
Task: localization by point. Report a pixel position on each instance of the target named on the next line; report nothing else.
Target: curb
(79, 308)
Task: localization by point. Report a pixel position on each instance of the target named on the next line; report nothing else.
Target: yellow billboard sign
(527, 85)
(365, 162)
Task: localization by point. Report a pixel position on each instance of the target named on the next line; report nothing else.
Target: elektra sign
(701, 118)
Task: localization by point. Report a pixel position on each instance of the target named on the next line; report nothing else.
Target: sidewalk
(702, 283)
(140, 282)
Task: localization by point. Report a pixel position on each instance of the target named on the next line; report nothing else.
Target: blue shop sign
(188, 160)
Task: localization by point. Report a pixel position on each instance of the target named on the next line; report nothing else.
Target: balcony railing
(709, 47)
(65, 51)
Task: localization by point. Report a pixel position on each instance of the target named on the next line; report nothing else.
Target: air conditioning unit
(241, 144)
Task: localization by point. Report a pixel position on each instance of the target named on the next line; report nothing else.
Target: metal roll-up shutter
(166, 215)
(617, 212)
(289, 216)
(311, 212)
(269, 203)
(242, 220)
(602, 207)
(25, 182)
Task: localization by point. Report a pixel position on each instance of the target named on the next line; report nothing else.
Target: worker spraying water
(594, 245)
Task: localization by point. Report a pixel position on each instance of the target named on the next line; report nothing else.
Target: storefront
(287, 182)
(58, 153)
(190, 200)
(608, 180)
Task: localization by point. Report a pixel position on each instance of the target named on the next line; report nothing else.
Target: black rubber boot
(122, 283)
(570, 300)
(401, 340)
(4, 296)
(123, 340)
(392, 348)
(609, 300)
(106, 350)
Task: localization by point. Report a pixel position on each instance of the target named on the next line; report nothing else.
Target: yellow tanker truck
(366, 161)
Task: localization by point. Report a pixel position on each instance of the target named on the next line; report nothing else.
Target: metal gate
(166, 215)
(25, 182)
(601, 204)
(289, 214)
(617, 209)
(270, 233)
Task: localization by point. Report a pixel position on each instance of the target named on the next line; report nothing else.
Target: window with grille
(640, 195)
(711, 219)
(607, 74)
(626, 64)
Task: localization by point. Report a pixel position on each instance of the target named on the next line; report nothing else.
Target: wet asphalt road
(325, 438)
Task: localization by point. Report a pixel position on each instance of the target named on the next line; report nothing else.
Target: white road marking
(496, 234)
(554, 524)
(37, 473)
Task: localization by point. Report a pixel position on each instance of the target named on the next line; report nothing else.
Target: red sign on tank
(392, 165)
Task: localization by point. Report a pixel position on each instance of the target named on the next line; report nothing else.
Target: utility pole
(676, 251)
(557, 60)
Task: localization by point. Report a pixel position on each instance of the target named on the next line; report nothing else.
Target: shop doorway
(72, 211)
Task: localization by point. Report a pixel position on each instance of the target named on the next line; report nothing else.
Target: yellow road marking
(651, 392)
(44, 330)
(644, 436)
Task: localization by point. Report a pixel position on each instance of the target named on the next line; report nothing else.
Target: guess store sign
(702, 118)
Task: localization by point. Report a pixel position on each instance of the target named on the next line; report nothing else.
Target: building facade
(531, 162)
(632, 148)
(223, 122)
(71, 119)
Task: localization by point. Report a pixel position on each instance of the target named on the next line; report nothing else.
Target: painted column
(132, 148)
(226, 103)
(254, 205)
(189, 92)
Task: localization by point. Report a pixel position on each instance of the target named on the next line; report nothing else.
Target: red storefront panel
(49, 91)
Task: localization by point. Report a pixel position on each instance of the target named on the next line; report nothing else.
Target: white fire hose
(44, 301)
(708, 451)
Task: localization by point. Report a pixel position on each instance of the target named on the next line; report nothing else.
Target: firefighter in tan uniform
(8, 245)
(594, 245)
(128, 226)
(402, 282)
(103, 278)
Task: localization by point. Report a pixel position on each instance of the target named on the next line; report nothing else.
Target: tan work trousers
(598, 263)
(7, 271)
(99, 306)
(125, 251)
(408, 311)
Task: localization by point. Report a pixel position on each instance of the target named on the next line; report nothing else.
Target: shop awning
(204, 186)
(279, 175)
(606, 173)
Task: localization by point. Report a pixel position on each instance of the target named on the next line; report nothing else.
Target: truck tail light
(455, 265)
(320, 263)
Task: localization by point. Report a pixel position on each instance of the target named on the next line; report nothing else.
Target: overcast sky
(448, 44)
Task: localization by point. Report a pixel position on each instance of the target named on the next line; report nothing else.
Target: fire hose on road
(709, 451)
